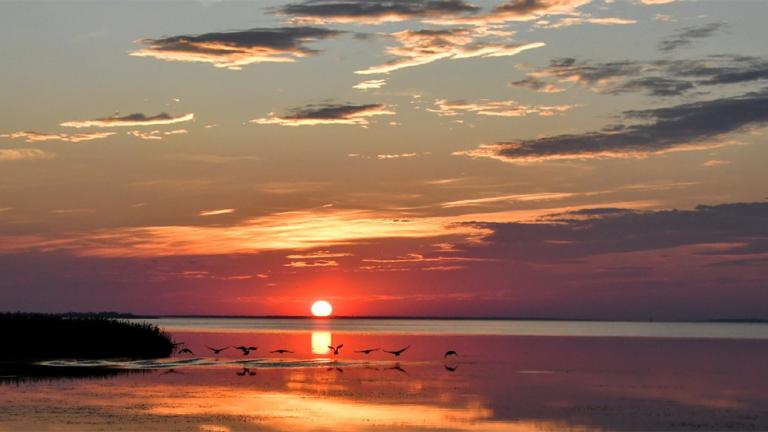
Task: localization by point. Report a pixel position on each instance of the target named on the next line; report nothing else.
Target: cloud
(32, 137)
(294, 231)
(21, 154)
(396, 155)
(216, 212)
(536, 84)
(544, 196)
(589, 232)
(318, 255)
(156, 134)
(655, 2)
(686, 36)
(233, 50)
(518, 10)
(419, 47)
(579, 20)
(373, 11)
(715, 162)
(370, 84)
(501, 108)
(655, 78)
(130, 120)
(690, 126)
(327, 114)
(310, 264)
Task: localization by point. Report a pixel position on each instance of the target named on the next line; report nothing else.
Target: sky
(488, 158)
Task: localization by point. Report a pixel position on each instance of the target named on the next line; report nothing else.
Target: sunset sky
(548, 158)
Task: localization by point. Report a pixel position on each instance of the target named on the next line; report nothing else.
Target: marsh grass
(31, 337)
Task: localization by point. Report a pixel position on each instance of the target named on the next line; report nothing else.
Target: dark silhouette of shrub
(29, 336)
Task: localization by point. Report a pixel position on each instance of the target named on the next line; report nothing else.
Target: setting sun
(321, 308)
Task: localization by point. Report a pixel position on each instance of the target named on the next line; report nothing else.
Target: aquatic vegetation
(29, 336)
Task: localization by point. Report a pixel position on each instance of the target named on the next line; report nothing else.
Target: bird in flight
(336, 350)
(216, 350)
(246, 349)
(398, 352)
(281, 351)
(450, 353)
(367, 351)
(186, 351)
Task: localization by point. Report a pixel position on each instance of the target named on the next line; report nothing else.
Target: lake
(507, 376)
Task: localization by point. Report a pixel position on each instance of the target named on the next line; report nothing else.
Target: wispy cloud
(499, 108)
(21, 154)
(216, 212)
(518, 10)
(156, 134)
(370, 84)
(686, 37)
(655, 78)
(396, 155)
(373, 12)
(32, 137)
(419, 47)
(281, 231)
(318, 255)
(691, 126)
(327, 114)
(233, 50)
(310, 264)
(580, 20)
(130, 120)
(530, 197)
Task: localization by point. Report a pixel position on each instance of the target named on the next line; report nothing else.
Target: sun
(321, 308)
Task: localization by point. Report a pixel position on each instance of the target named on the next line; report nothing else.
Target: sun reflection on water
(321, 340)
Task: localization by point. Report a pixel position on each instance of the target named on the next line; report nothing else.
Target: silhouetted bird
(368, 351)
(398, 352)
(336, 350)
(247, 349)
(217, 350)
(281, 351)
(245, 371)
(186, 351)
(450, 353)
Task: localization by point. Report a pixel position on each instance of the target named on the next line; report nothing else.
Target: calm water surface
(509, 376)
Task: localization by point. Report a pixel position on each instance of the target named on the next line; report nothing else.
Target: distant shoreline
(128, 315)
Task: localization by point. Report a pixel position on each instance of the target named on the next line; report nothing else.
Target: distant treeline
(27, 336)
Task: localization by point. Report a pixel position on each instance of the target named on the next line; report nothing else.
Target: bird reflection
(450, 368)
(245, 372)
(397, 367)
(336, 368)
(172, 371)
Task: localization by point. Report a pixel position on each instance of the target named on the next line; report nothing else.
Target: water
(508, 376)
(473, 327)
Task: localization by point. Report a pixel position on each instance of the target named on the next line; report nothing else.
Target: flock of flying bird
(246, 350)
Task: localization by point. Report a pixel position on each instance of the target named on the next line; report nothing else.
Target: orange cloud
(233, 50)
(20, 154)
(216, 212)
(32, 137)
(319, 263)
(419, 47)
(137, 119)
(327, 114)
(370, 84)
(281, 231)
(518, 10)
(504, 108)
